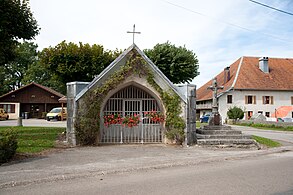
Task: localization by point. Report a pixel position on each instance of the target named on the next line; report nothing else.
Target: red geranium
(131, 120)
(112, 119)
(155, 116)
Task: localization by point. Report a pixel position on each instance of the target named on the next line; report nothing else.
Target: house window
(250, 99)
(9, 108)
(229, 99)
(260, 112)
(267, 114)
(268, 99)
(249, 114)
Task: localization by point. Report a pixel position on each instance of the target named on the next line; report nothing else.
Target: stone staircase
(224, 136)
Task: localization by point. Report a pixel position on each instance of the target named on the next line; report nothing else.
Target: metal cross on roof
(133, 32)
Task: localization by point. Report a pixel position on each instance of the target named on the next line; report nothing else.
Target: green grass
(267, 126)
(35, 139)
(265, 141)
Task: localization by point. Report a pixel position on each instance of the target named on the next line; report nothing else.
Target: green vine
(175, 124)
(88, 120)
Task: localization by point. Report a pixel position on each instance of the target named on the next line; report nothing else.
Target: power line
(271, 7)
(227, 23)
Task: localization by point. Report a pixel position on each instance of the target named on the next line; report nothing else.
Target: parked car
(56, 114)
(3, 114)
(205, 118)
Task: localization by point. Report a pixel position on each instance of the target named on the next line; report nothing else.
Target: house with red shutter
(257, 85)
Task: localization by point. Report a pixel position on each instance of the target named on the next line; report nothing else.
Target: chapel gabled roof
(121, 58)
(52, 91)
(246, 75)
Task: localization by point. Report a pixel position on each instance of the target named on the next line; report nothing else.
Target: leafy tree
(235, 113)
(72, 62)
(38, 73)
(16, 22)
(177, 63)
(13, 72)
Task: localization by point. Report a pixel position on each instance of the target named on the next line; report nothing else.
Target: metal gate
(131, 101)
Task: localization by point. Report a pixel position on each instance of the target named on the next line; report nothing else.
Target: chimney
(264, 64)
(226, 74)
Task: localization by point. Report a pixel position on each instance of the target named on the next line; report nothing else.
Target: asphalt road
(283, 136)
(269, 174)
(34, 123)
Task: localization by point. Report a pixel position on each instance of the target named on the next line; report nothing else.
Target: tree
(38, 73)
(12, 73)
(235, 113)
(72, 62)
(16, 22)
(177, 63)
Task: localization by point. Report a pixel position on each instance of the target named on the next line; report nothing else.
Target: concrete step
(218, 132)
(226, 142)
(216, 127)
(201, 136)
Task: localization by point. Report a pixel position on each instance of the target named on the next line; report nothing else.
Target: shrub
(8, 144)
(235, 113)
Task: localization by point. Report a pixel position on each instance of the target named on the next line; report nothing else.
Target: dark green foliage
(235, 113)
(177, 63)
(16, 22)
(38, 73)
(72, 62)
(175, 124)
(14, 71)
(8, 144)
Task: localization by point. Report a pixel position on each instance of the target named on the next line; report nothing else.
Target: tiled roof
(38, 85)
(246, 75)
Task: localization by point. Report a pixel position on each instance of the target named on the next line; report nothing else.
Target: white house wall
(280, 98)
(17, 110)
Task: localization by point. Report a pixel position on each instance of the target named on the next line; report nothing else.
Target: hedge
(8, 144)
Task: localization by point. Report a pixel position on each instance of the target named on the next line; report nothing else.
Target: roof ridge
(237, 73)
(36, 84)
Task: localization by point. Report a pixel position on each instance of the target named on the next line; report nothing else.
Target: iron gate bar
(129, 101)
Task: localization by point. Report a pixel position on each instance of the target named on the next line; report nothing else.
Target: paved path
(283, 136)
(34, 123)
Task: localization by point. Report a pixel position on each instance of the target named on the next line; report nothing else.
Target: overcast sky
(218, 32)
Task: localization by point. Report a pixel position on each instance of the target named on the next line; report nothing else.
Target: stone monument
(216, 118)
(216, 134)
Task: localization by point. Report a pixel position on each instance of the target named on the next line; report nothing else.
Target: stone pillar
(73, 89)
(19, 122)
(190, 114)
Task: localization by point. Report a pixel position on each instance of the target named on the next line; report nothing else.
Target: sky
(218, 32)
